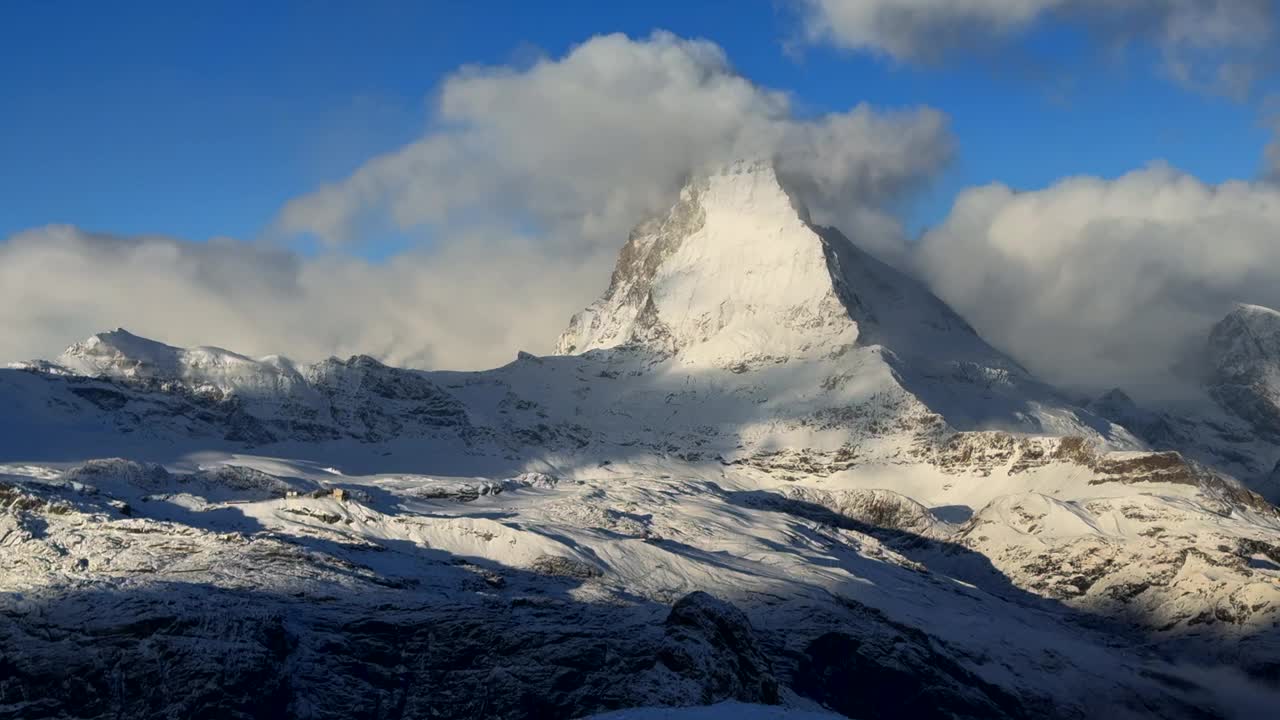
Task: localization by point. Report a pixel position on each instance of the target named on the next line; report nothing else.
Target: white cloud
(521, 192)
(1096, 283)
(584, 146)
(1208, 44)
(449, 308)
(918, 30)
(848, 168)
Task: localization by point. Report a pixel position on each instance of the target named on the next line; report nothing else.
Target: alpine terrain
(764, 468)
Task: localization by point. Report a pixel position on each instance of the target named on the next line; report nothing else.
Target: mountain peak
(120, 352)
(1245, 309)
(733, 270)
(119, 338)
(751, 185)
(1244, 360)
(123, 355)
(1245, 344)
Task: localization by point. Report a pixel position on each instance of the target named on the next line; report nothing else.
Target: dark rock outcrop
(201, 652)
(711, 643)
(902, 678)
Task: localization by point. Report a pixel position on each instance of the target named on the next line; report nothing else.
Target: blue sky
(199, 120)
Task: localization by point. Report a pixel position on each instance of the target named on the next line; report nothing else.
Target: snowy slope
(767, 469)
(609, 549)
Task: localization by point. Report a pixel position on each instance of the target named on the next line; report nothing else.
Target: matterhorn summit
(736, 271)
(733, 271)
(735, 277)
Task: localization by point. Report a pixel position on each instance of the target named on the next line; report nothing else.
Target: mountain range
(764, 467)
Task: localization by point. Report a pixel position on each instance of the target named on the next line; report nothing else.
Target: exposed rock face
(216, 662)
(1157, 429)
(1244, 350)
(1236, 428)
(863, 510)
(372, 402)
(227, 654)
(711, 643)
(626, 314)
(1245, 345)
(901, 679)
(883, 509)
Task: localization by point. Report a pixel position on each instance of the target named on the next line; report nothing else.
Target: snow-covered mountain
(139, 386)
(764, 467)
(1244, 352)
(1236, 426)
(736, 278)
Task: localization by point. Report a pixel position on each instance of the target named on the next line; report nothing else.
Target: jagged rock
(235, 655)
(558, 565)
(902, 679)
(534, 479)
(711, 643)
(872, 508)
(114, 471)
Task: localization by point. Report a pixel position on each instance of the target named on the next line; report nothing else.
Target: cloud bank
(59, 284)
(1097, 283)
(1209, 44)
(514, 201)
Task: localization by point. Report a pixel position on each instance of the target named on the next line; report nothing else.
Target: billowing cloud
(584, 146)
(1209, 44)
(918, 30)
(848, 168)
(1097, 283)
(514, 202)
